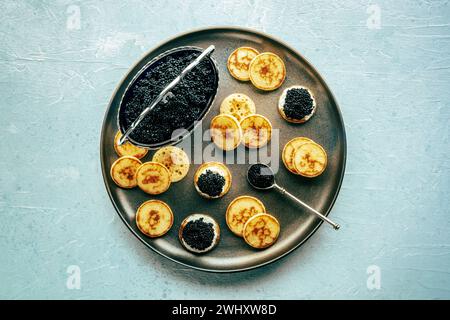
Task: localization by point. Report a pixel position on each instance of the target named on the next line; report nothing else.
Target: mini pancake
(267, 71)
(288, 152)
(239, 61)
(256, 131)
(127, 148)
(240, 210)
(310, 160)
(153, 178)
(123, 171)
(238, 105)
(154, 218)
(175, 159)
(199, 233)
(214, 168)
(261, 230)
(225, 132)
(282, 104)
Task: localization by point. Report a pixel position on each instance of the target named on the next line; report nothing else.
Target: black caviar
(211, 183)
(298, 103)
(198, 234)
(261, 176)
(190, 100)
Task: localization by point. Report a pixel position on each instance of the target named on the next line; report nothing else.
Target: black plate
(326, 127)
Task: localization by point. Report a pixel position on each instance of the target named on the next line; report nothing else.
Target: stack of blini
(303, 156)
(169, 164)
(246, 217)
(238, 123)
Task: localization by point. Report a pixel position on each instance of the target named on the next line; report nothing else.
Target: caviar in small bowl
(191, 99)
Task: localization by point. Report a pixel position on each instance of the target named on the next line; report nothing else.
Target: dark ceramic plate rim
(105, 171)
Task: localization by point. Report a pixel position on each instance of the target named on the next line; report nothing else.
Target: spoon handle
(317, 213)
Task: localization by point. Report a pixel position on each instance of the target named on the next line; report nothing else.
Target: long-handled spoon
(261, 176)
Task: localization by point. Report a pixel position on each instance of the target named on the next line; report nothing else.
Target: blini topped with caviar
(212, 180)
(199, 233)
(297, 104)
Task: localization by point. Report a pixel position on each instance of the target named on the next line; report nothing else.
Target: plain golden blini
(225, 132)
(310, 160)
(127, 148)
(239, 61)
(267, 71)
(256, 131)
(123, 171)
(240, 210)
(288, 152)
(154, 218)
(153, 178)
(174, 159)
(238, 105)
(261, 230)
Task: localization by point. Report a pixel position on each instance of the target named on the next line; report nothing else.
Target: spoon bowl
(260, 176)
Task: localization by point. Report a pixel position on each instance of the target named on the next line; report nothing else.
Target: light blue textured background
(392, 84)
